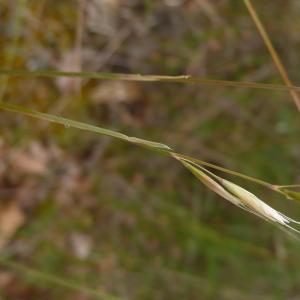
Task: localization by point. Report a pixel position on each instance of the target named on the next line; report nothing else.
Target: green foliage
(151, 230)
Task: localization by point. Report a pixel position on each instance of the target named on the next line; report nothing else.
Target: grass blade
(187, 161)
(134, 140)
(35, 274)
(83, 126)
(231, 192)
(149, 78)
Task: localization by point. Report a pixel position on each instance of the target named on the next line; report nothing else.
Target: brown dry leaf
(32, 161)
(11, 218)
(5, 279)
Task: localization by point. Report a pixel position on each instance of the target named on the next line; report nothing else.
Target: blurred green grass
(151, 230)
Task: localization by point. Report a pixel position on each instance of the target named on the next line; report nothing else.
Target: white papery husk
(239, 196)
(257, 206)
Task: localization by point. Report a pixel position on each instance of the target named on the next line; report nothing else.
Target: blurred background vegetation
(100, 214)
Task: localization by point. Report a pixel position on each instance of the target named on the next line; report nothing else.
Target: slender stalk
(288, 186)
(272, 50)
(150, 78)
(83, 126)
(204, 163)
(137, 141)
(53, 279)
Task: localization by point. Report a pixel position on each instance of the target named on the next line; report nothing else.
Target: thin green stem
(162, 148)
(288, 186)
(83, 126)
(204, 163)
(149, 78)
(53, 279)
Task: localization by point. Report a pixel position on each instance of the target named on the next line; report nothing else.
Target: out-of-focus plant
(226, 189)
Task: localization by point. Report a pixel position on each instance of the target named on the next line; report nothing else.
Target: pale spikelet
(239, 196)
(212, 184)
(257, 206)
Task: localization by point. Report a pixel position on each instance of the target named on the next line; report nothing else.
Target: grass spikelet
(239, 196)
(255, 205)
(226, 189)
(212, 184)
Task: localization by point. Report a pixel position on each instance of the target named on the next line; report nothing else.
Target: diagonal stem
(281, 69)
(137, 141)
